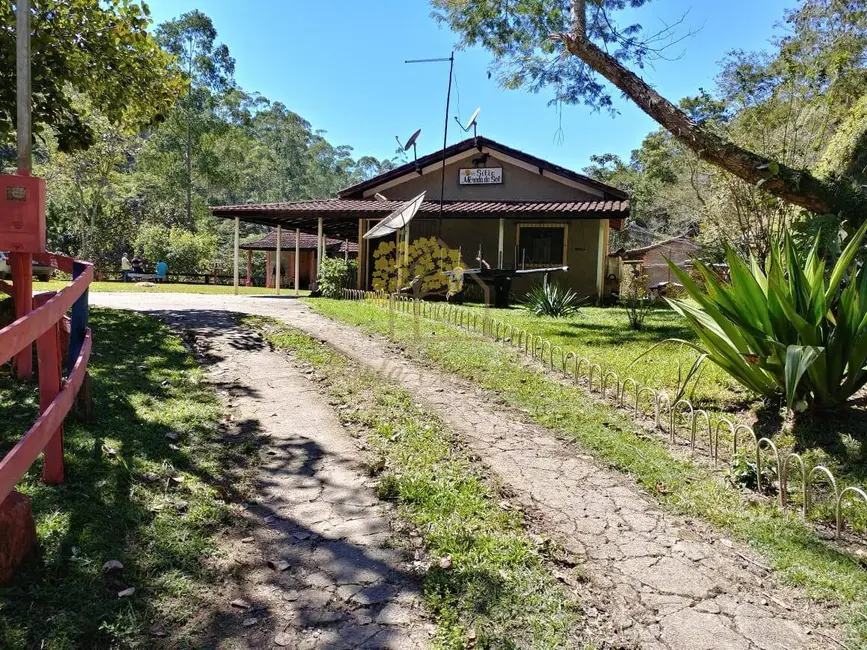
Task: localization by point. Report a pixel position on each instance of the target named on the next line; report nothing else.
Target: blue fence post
(78, 321)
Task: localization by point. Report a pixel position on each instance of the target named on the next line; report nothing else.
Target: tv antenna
(410, 143)
(472, 122)
(451, 62)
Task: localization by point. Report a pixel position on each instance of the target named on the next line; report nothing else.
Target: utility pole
(22, 90)
(189, 137)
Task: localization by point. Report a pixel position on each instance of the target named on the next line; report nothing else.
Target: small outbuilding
(307, 247)
(650, 261)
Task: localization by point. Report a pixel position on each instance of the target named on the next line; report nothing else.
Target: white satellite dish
(471, 122)
(397, 219)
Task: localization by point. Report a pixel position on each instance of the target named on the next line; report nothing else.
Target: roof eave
(479, 142)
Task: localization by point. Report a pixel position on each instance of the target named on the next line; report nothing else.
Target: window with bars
(542, 244)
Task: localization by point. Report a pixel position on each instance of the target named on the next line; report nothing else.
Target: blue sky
(340, 65)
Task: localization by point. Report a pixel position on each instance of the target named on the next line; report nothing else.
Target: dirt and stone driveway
(312, 567)
(668, 583)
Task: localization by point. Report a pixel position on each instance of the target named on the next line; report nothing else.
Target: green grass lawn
(56, 285)
(131, 494)
(497, 584)
(602, 335)
(836, 440)
(790, 546)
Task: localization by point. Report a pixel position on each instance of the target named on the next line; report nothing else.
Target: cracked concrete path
(667, 582)
(314, 569)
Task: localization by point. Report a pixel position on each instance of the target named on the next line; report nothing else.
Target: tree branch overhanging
(798, 187)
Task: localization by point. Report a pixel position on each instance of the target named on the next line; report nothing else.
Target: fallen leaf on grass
(240, 603)
(171, 435)
(112, 565)
(126, 593)
(445, 562)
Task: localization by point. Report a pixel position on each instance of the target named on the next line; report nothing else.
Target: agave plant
(550, 299)
(791, 329)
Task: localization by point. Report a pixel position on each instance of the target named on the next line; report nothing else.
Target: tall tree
(98, 48)
(207, 66)
(575, 46)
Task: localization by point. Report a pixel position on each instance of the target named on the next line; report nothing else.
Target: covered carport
(332, 219)
(329, 220)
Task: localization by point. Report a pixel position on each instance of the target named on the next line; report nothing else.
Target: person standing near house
(125, 267)
(162, 269)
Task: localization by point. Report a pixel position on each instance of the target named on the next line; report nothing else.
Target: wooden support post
(500, 244)
(297, 259)
(48, 355)
(319, 248)
(237, 248)
(19, 533)
(279, 259)
(249, 281)
(397, 259)
(603, 255)
(21, 265)
(406, 250)
(268, 277)
(359, 273)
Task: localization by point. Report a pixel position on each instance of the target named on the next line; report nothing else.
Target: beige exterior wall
(582, 249)
(518, 184)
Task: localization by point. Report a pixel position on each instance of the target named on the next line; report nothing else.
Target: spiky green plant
(790, 329)
(550, 299)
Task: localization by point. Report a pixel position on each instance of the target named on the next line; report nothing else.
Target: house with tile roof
(500, 207)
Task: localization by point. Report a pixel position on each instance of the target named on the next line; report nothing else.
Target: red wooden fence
(45, 326)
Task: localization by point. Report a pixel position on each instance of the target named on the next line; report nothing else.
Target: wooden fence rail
(45, 326)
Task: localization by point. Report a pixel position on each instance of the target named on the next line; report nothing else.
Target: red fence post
(17, 532)
(49, 357)
(22, 276)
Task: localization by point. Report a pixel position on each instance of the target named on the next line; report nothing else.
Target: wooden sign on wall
(481, 176)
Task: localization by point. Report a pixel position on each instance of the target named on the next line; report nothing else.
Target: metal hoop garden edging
(534, 346)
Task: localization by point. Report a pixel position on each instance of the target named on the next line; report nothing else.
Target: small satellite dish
(471, 122)
(410, 143)
(412, 139)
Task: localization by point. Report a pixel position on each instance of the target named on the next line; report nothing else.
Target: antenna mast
(451, 60)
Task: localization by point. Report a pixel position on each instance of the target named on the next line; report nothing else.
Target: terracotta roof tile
(329, 208)
(306, 242)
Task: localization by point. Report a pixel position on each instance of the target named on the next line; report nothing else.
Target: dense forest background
(144, 187)
(140, 128)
